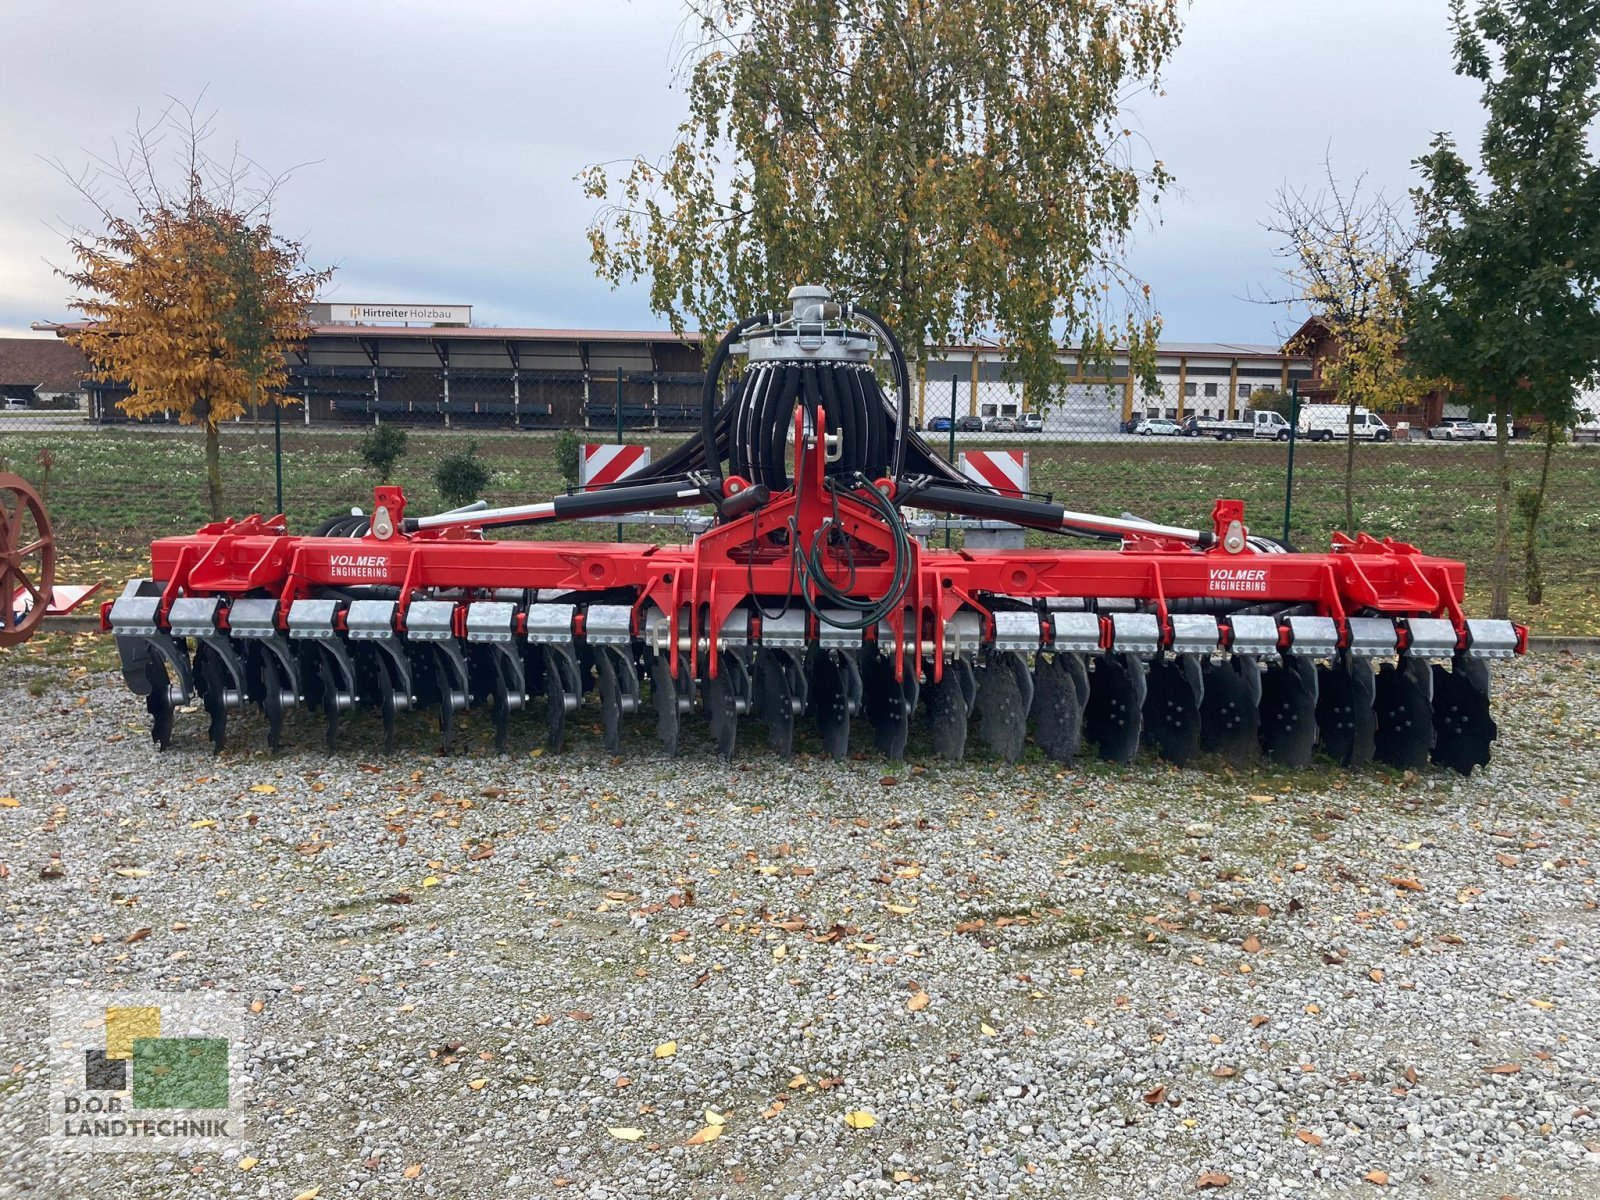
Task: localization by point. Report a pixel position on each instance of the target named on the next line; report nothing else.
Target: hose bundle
(847, 396)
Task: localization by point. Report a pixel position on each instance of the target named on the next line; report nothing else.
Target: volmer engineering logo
(143, 1073)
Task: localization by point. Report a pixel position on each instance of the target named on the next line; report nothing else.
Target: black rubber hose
(708, 391)
(902, 384)
(852, 420)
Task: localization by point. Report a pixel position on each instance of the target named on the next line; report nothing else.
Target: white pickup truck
(1324, 422)
(1253, 423)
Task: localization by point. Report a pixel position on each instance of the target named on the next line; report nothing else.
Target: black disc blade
(608, 682)
(383, 681)
(500, 699)
(950, 702)
(1462, 725)
(158, 702)
(830, 697)
(1057, 711)
(1346, 720)
(1230, 712)
(722, 709)
(559, 673)
(1289, 710)
(1005, 694)
(1404, 705)
(272, 699)
(774, 699)
(210, 678)
(328, 696)
(1171, 715)
(889, 703)
(1113, 715)
(444, 681)
(664, 695)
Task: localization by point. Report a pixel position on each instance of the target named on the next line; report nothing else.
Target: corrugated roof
(46, 363)
(691, 337)
(504, 335)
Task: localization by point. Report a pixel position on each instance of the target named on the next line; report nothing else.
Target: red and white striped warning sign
(606, 462)
(1003, 471)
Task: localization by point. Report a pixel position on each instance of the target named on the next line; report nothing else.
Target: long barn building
(455, 375)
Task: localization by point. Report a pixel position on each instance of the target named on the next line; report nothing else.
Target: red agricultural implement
(28, 565)
(811, 599)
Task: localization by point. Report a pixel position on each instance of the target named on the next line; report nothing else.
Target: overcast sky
(442, 138)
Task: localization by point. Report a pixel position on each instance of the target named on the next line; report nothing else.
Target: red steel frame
(699, 584)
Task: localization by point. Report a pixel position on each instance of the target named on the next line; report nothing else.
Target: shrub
(569, 449)
(462, 477)
(382, 447)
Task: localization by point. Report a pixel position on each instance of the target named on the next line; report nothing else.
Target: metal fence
(1104, 446)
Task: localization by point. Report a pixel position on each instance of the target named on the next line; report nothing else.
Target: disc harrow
(808, 616)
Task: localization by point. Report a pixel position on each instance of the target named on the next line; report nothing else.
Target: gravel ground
(459, 977)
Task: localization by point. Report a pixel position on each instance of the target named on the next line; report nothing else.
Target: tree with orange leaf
(192, 299)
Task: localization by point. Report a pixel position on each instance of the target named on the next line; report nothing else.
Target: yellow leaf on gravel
(478, 1085)
(1262, 799)
(132, 872)
(625, 1134)
(310, 1193)
(208, 823)
(918, 1002)
(1542, 1005)
(431, 881)
(901, 910)
(709, 1134)
(247, 1162)
(666, 1049)
(779, 951)
(264, 789)
(986, 1029)
(860, 1119)
(715, 1118)
(412, 1171)
(10, 802)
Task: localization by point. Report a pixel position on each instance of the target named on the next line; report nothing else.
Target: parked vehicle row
(1026, 423)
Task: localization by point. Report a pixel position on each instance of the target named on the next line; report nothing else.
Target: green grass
(111, 491)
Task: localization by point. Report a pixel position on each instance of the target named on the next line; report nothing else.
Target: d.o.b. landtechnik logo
(143, 1073)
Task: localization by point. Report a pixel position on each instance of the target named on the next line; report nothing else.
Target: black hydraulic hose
(902, 384)
(708, 391)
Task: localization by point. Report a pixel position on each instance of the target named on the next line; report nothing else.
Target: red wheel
(27, 561)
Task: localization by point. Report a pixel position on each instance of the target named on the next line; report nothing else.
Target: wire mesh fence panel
(1110, 446)
(1104, 446)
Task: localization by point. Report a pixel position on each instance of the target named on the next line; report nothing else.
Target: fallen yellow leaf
(901, 910)
(860, 1119)
(779, 951)
(247, 1162)
(715, 1118)
(986, 1030)
(1542, 1005)
(478, 1085)
(709, 1134)
(310, 1193)
(412, 1171)
(10, 802)
(264, 789)
(132, 872)
(208, 823)
(666, 1049)
(625, 1134)
(918, 1002)
(431, 881)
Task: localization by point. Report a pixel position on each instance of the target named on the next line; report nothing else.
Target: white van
(1324, 422)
